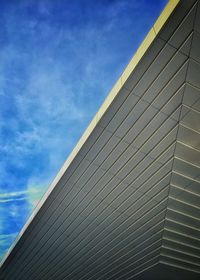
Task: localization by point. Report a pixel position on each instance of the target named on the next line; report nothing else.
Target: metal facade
(127, 206)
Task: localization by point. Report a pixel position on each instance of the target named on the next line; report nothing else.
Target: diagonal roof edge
(151, 35)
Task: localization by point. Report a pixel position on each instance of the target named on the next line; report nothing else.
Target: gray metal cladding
(128, 206)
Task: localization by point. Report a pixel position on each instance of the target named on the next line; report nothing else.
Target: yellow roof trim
(112, 94)
(165, 14)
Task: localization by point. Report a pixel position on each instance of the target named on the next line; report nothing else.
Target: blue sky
(58, 61)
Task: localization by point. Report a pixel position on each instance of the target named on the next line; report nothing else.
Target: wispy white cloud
(11, 199)
(18, 193)
(31, 194)
(4, 237)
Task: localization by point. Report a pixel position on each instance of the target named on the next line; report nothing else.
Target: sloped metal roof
(126, 204)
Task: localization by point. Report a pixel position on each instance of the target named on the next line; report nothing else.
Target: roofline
(159, 23)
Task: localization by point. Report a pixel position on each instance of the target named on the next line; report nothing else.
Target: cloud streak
(31, 194)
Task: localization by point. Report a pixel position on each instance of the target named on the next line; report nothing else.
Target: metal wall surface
(130, 200)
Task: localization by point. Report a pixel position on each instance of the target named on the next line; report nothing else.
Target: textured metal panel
(129, 203)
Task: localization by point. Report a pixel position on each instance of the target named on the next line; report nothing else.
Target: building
(126, 203)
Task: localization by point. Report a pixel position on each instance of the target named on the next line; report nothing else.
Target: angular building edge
(144, 46)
